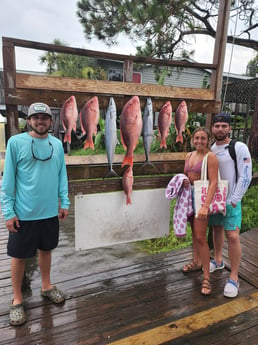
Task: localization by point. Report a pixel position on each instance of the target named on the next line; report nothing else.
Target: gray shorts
(33, 235)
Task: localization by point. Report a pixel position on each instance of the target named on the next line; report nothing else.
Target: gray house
(179, 77)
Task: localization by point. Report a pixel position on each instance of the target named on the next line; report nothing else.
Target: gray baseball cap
(39, 108)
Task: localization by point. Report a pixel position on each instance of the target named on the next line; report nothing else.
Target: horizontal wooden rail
(89, 186)
(8, 41)
(87, 173)
(30, 88)
(92, 167)
(115, 184)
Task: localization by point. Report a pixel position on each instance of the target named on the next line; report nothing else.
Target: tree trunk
(253, 139)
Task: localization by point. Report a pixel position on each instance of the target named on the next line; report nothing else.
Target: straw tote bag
(218, 203)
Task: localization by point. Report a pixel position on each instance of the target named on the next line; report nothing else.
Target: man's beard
(41, 133)
(220, 137)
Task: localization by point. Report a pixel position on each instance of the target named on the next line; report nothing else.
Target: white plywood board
(104, 219)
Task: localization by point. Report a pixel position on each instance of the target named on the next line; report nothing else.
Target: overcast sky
(45, 20)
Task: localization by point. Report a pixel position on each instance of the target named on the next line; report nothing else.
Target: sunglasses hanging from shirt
(41, 159)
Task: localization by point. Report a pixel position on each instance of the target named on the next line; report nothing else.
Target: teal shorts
(231, 220)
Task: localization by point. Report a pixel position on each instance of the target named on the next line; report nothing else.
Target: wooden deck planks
(127, 298)
(238, 330)
(190, 324)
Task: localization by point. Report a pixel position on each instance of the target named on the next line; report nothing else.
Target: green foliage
(69, 65)
(205, 82)
(99, 141)
(250, 209)
(252, 67)
(255, 165)
(164, 27)
(166, 244)
(171, 242)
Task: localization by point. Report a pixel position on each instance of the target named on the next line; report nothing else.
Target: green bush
(250, 209)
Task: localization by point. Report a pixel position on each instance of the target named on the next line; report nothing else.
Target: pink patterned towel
(184, 207)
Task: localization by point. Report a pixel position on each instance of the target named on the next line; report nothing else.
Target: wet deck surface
(116, 295)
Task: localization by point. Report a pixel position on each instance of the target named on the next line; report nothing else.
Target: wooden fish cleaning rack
(24, 88)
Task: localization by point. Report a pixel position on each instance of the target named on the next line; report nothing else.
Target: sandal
(192, 266)
(54, 294)
(17, 315)
(207, 286)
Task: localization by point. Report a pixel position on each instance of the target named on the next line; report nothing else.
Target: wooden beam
(89, 186)
(103, 55)
(104, 87)
(115, 184)
(55, 90)
(219, 55)
(92, 167)
(10, 88)
(57, 98)
(220, 47)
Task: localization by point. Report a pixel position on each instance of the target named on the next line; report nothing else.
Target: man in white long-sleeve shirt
(237, 187)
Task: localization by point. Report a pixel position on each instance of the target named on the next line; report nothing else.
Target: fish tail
(111, 173)
(148, 163)
(128, 160)
(163, 143)
(88, 144)
(179, 138)
(128, 200)
(67, 138)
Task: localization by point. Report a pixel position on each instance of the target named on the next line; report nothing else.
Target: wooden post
(218, 59)
(245, 136)
(10, 87)
(219, 52)
(128, 70)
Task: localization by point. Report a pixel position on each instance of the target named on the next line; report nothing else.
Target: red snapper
(127, 183)
(164, 122)
(130, 128)
(89, 116)
(69, 115)
(180, 119)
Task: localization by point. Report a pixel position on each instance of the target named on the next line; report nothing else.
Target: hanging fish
(147, 132)
(127, 183)
(111, 135)
(180, 119)
(164, 122)
(130, 128)
(89, 116)
(69, 115)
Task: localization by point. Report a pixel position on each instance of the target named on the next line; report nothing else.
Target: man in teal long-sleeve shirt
(34, 196)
